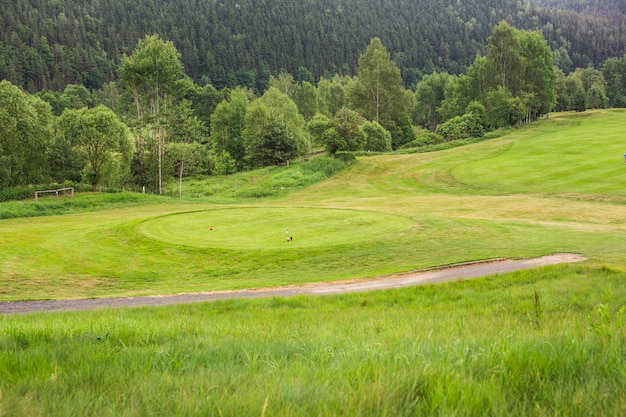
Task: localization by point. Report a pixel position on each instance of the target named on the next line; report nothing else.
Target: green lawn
(584, 156)
(546, 342)
(262, 228)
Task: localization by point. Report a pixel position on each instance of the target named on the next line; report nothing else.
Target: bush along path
(466, 270)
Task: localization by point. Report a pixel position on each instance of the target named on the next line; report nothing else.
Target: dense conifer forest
(48, 44)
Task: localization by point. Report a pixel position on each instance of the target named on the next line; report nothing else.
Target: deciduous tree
(377, 92)
(100, 134)
(344, 133)
(429, 96)
(227, 123)
(504, 66)
(614, 72)
(377, 138)
(274, 130)
(25, 135)
(150, 74)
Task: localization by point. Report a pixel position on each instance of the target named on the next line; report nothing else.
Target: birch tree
(377, 92)
(150, 74)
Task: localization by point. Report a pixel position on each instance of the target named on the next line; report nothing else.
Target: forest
(48, 44)
(143, 114)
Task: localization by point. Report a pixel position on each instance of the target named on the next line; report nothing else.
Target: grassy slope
(544, 342)
(460, 208)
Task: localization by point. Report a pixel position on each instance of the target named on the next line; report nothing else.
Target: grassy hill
(544, 342)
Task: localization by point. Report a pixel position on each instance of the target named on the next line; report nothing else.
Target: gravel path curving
(428, 276)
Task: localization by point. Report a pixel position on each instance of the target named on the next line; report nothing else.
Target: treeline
(154, 124)
(49, 44)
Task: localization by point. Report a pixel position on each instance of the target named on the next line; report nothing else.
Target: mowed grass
(546, 342)
(583, 155)
(534, 343)
(419, 211)
(271, 228)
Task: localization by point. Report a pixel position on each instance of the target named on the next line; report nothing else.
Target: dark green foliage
(377, 139)
(274, 132)
(346, 157)
(424, 138)
(316, 128)
(401, 133)
(429, 95)
(64, 160)
(614, 73)
(327, 166)
(461, 127)
(102, 137)
(45, 45)
(273, 146)
(227, 123)
(579, 101)
(503, 110)
(19, 193)
(587, 89)
(25, 134)
(344, 133)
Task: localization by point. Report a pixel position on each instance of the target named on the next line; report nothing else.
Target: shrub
(461, 127)
(377, 138)
(425, 138)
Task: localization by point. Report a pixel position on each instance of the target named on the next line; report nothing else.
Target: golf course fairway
(541, 341)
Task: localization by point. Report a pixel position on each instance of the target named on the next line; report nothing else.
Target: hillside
(543, 342)
(530, 193)
(49, 44)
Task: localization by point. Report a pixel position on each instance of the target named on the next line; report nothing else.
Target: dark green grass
(264, 183)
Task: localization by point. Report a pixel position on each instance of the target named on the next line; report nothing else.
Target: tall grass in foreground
(534, 343)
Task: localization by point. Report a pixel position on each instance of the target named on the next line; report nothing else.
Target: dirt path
(428, 276)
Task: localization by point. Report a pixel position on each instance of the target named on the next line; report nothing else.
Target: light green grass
(586, 155)
(533, 343)
(545, 342)
(421, 210)
(269, 228)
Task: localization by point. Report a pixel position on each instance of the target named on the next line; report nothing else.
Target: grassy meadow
(550, 341)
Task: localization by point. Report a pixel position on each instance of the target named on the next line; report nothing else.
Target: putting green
(269, 228)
